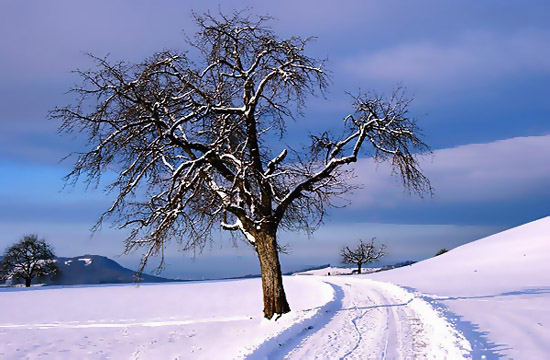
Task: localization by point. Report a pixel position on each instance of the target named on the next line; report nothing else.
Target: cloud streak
(501, 170)
(471, 60)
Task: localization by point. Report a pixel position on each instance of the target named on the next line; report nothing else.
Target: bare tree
(28, 259)
(192, 142)
(364, 253)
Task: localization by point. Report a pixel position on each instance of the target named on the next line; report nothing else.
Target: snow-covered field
(333, 317)
(200, 320)
(497, 290)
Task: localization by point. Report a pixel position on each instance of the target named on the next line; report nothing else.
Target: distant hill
(95, 269)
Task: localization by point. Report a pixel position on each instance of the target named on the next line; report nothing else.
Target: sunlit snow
(487, 299)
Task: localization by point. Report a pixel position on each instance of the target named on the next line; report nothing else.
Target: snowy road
(333, 317)
(374, 320)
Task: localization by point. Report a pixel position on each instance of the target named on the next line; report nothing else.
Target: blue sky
(479, 72)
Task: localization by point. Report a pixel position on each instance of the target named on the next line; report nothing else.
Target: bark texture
(275, 302)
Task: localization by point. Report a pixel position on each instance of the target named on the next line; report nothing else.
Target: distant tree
(364, 253)
(442, 251)
(28, 259)
(195, 143)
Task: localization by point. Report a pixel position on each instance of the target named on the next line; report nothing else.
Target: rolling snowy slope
(499, 287)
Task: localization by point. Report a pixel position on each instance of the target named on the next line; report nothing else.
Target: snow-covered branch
(190, 139)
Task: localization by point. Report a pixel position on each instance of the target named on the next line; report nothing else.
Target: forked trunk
(272, 280)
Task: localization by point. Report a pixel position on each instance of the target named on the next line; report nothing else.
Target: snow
(87, 261)
(485, 300)
(374, 320)
(332, 270)
(332, 317)
(498, 287)
(195, 320)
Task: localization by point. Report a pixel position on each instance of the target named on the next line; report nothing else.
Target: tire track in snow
(354, 321)
(377, 320)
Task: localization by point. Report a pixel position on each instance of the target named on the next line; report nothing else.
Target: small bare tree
(193, 143)
(28, 259)
(364, 253)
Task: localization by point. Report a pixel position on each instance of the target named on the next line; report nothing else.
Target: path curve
(375, 320)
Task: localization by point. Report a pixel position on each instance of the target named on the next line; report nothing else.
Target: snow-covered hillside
(498, 286)
(485, 300)
(90, 270)
(95, 269)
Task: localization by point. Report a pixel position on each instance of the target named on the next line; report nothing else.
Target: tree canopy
(189, 139)
(363, 253)
(28, 259)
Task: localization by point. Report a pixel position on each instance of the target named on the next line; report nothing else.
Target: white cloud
(469, 61)
(501, 170)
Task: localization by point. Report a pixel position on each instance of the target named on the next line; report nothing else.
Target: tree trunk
(27, 282)
(272, 280)
(359, 268)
